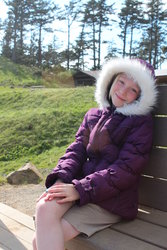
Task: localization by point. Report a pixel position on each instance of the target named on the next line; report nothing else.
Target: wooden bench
(149, 230)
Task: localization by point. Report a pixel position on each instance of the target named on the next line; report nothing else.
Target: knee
(46, 209)
(43, 207)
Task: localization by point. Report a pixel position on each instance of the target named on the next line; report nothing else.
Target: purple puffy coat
(106, 160)
(112, 146)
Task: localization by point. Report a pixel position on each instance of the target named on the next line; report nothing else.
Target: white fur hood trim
(139, 72)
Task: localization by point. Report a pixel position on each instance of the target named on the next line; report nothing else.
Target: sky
(4, 8)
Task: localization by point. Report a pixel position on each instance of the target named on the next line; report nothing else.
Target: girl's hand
(62, 193)
(46, 192)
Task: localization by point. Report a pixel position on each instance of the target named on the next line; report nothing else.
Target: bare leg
(69, 231)
(34, 245)
(51, 229)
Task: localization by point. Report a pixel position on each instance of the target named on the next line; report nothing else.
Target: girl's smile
(123, 90)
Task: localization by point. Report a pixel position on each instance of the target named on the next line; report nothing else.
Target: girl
(95, 183)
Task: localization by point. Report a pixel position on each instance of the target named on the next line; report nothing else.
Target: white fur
(143, 77)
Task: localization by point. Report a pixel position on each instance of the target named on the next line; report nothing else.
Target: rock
(25, 175)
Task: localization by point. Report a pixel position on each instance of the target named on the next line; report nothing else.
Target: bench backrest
(153, 186)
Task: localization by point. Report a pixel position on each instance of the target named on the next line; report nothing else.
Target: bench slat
(160, 132)
(129, 235)
(7, 239)
(157, 165)
(145, 231)
(109, 239)
(161, 75)
(162, 100)
(152, 215)
(153, 193)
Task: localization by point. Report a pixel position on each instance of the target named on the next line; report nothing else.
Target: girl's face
(123, 90)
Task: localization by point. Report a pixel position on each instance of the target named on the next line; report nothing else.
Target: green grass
(12, 74)
(37, 125)
(15, 75)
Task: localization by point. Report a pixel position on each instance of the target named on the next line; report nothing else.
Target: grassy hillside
(37, 124)
(18, 75)
(15, 75)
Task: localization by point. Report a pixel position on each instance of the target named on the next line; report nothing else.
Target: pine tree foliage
(18, 14)
(96, 15)
(42, 14)
(71, 13)
(131, 19)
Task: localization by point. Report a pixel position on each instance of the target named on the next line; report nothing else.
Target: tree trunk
(14, 41)
(68, 46)
(40, 47)
(99, 49)
(124, 38)
(21, 33)
(131, 42)
(94, 46)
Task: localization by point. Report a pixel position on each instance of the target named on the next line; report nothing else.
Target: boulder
(28, 174)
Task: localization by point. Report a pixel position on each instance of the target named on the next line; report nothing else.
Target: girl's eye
(121, 82)
(134, 91)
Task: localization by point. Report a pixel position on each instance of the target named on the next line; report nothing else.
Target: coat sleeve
(69, 165)
(124, 172)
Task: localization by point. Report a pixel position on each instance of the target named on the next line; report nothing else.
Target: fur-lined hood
(141, 72)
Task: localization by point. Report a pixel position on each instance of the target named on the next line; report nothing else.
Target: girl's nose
(123, 91)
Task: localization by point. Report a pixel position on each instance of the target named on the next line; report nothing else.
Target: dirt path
(21, 197)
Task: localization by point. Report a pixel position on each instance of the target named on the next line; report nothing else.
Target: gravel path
(21, 197)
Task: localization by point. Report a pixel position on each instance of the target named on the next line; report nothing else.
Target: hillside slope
(12, 74)
(15, 75)
(37, 124)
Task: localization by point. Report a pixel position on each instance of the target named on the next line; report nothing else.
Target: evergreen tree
(112, 50)
(1, 28)
(18, 18)
(33, 15)
(69, 13)
(80, 49)
(104, 13)
(135, 20)
(7, 39)
(131, 18)
(51, 56)
(153, 39)
(96, 15)
(32, 51)
(42, 14)
(123, 15)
